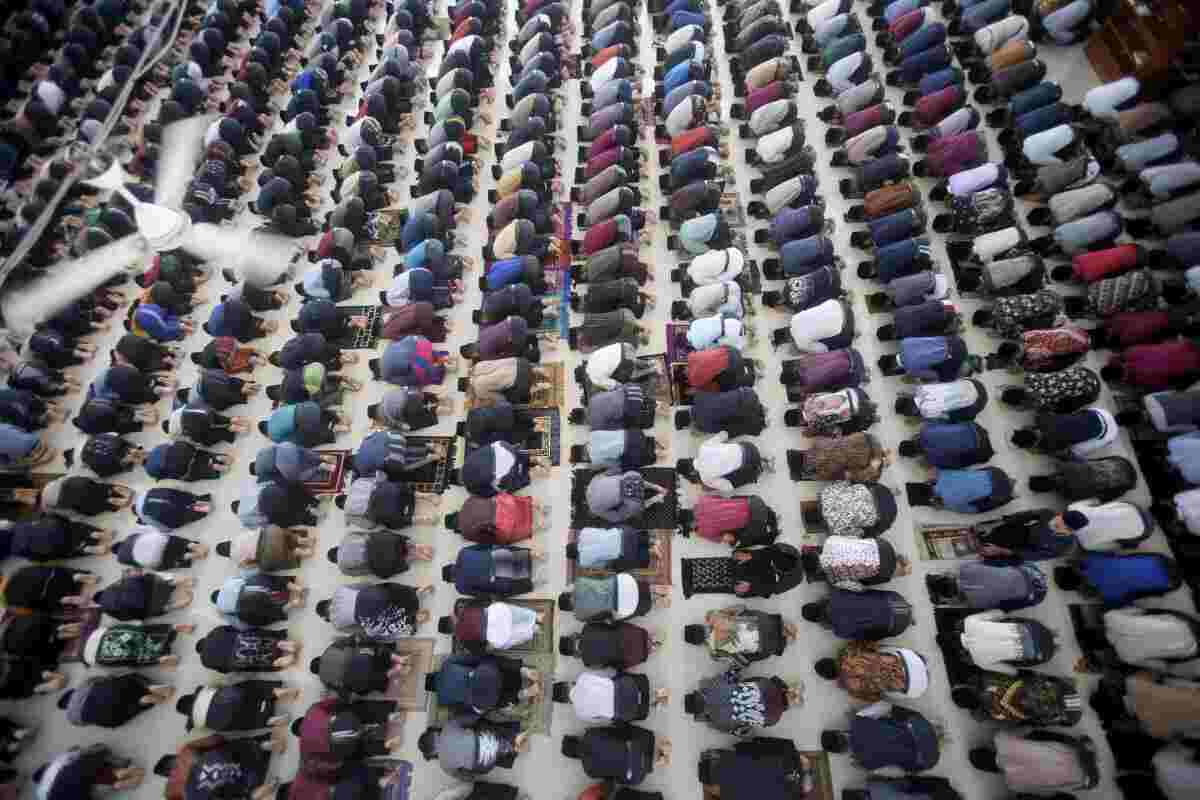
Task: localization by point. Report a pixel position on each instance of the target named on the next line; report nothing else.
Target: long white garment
(991, 642)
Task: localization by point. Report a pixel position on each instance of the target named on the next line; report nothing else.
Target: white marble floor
(542, 772)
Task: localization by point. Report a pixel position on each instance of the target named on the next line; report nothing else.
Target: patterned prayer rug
(367, 338)
(658, 572)
(409, 690)
(556, 373)
(656, 384)
(435, 476)
(663, 515)
(335, 481)
(534, 717)
(677, 343)
(713, 575)
(947, 542)
(546, 440)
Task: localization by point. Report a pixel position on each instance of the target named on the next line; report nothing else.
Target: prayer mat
(677, 343)
(534, 717)
(947, 542)
(434, 477)
(89, 619)
(546, 440)
(656, 384)
(409, 690)
(659, 571)
(558, 286)
(960, 669)
(1098, 655)
(367, 338)
(556, 373)
(335, 480)
(662, 516)
(544, 642)
(712, 575)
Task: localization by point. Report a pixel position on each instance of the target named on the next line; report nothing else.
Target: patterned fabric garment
(1028, 698)
(254, 653)
(1063, 391)
(748, 706)
(824, 413)
(1041, 349)
(1133, 291)
(848, 508)
(867, 674)
(128, 644)
(733, 639)
(1012, 316)
(393, 623)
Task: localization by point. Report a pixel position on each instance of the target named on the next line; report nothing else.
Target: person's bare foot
(288, 646)
(185, 627)
(521, 743)
(662, 697)
(425, 588)
(170, 661)
(288, 694)
(790, 631)
(795, 693)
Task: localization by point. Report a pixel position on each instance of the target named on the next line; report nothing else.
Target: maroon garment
(775, 90)
(933, 108)
(906, 24)
(1155, 367)
(598, 163)
(1137, 327)
(820, 371)
(412, 319)
(505, 339)
(715, 516)
(951, 155)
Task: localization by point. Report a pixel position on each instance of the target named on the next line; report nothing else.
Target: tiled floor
(543, 773)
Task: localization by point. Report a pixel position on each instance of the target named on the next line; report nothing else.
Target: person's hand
(993, 551)
(742, 556)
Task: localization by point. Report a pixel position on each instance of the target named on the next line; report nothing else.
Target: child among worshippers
(380, 502)
(740, 705)
(466, 752)
(870, 673)
(884, 735)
